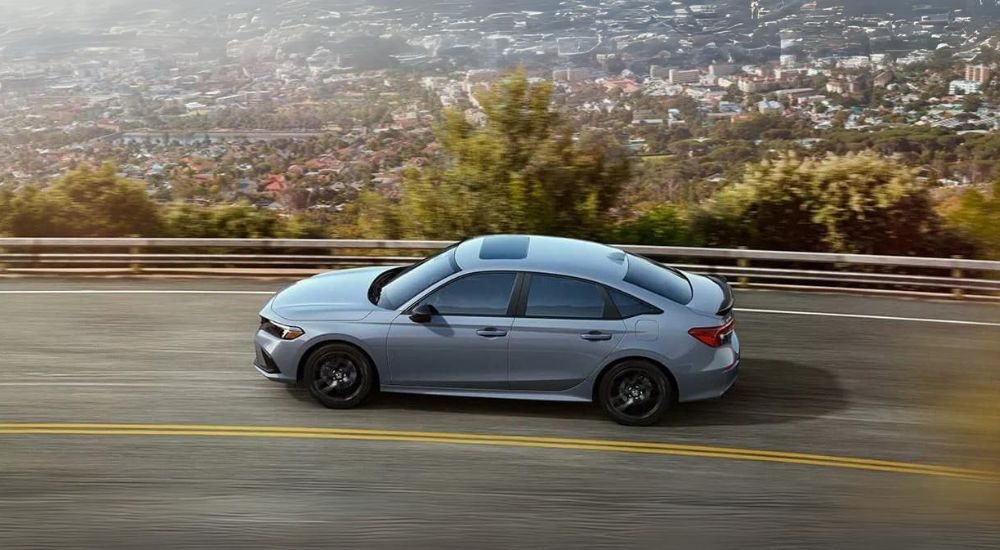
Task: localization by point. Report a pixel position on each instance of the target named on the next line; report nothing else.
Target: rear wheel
(339, 376)
(635, 393)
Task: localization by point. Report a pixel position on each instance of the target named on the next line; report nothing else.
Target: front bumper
(274, 358)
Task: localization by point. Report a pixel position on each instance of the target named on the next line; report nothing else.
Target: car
(508, 316)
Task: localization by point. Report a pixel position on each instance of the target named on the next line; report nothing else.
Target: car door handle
(596, 336)
(491, 332)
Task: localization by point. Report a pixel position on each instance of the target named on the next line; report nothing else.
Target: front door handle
(491, 332)
(596, 336)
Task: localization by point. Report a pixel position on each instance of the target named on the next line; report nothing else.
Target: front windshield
(412, 280)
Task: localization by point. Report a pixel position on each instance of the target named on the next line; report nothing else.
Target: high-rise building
(978, 73)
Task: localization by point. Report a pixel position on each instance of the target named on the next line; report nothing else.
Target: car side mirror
(423, 313)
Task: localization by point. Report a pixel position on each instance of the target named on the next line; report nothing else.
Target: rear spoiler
(728, 301)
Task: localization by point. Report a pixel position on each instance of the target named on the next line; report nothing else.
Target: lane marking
(731, 453)
(874, 317)
(88, 291)
(111, 384)
(741, 310)
(54, 351)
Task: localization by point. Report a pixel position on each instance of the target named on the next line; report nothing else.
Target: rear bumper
(713, 377)
(709, 384)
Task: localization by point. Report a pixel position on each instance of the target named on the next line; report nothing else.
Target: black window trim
(511, 301)
(610, 310)
(653, 309)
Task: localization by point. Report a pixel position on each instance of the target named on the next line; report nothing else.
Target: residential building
(684, 77)
(882, 79)
(571, 75)
(978, 73)
(845, 85)
(722, 69)
(749, 85)
(963, 87)
(770, 107)
(656, 71)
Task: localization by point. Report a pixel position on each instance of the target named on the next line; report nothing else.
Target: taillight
(714, 336)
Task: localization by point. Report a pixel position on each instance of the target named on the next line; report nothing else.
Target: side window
(629, 306)
(564, 298)
(481, 294)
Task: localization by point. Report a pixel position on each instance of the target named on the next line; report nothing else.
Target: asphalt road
(845, 377)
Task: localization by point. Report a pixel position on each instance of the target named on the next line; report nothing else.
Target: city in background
(868, 127)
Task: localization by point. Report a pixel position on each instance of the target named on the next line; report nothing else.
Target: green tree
(524, 170)
(86, 202)
(235, 221)
(971, 103)
(662, 226)
(976, 216)
(859, 203)
(6, 196)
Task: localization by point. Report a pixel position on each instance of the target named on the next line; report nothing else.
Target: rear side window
(564, 298)
(629, 306)
(658, 279)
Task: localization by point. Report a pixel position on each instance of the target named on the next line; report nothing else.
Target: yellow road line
(678, 448)
(496, 440)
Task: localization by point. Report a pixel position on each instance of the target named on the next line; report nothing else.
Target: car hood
(332, 296)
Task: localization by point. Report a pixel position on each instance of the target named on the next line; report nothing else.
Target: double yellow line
(196, 430)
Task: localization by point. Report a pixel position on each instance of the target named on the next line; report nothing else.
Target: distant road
(130, 417)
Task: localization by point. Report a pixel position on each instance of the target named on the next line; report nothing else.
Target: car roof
(559, 255)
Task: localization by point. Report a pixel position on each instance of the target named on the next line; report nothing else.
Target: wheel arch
(658, 364)
(316, 346)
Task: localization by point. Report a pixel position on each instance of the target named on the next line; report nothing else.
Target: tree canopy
(522, 170)
(87, 202)
(858, 203)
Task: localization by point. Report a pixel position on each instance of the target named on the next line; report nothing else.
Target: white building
(963, 87)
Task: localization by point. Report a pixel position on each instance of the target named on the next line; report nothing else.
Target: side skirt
(493, 394)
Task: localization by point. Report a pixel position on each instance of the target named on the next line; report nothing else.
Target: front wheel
(339, 376)
(635, 393)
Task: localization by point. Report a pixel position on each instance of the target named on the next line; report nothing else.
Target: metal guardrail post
(3, 266)
(135, 251)
(956, 273)
(743, 282)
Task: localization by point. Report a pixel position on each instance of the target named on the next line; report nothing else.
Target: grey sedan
(511, 316)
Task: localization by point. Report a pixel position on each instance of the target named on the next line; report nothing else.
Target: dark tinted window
(659, 279)
(565, 298)
(485, 294)
(417, 278)
(629, 306)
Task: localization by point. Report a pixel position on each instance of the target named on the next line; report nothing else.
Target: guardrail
(956, 276)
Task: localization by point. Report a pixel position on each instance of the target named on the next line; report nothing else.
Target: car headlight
(285, 332)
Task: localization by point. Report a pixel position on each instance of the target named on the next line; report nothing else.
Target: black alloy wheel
(635, 393)
(339, 376)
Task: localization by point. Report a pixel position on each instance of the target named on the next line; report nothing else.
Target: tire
(635, 393)
(339, 376)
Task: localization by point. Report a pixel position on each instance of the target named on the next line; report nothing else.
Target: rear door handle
(596, 336)
(491, 332)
